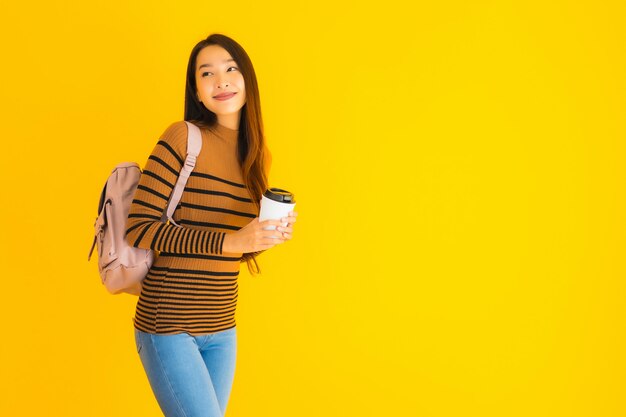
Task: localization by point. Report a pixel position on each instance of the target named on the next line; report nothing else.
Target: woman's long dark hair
(252, 152)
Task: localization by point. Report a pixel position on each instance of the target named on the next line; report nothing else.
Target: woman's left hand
(288, 230)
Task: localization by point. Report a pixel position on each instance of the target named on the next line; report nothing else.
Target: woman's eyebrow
(210, 65)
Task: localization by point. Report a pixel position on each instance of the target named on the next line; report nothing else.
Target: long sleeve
(144, 228)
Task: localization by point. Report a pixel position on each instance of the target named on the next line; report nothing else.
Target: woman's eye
(206, 73)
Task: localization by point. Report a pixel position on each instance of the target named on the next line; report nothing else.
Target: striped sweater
(192, 284)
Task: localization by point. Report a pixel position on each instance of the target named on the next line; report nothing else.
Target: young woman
(184, 322)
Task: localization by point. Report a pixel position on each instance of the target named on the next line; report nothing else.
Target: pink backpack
(122, 266)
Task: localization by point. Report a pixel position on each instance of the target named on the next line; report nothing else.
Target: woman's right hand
(252, 237)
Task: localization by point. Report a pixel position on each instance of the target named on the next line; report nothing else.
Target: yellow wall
(459, 175)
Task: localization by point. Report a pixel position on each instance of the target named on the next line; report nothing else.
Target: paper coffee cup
(276, 204)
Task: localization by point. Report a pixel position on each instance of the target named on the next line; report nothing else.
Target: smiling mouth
(224, 96)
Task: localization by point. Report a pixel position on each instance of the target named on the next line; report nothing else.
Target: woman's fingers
(287, 229)
(274, 240)
(281, 233)
(291, 219)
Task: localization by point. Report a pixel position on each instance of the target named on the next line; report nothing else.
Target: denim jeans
(190, 376)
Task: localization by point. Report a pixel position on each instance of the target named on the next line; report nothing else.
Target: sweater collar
(229, 135)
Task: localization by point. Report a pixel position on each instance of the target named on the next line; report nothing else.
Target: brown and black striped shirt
(192, 284)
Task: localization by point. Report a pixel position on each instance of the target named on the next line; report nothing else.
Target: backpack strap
(194, 145)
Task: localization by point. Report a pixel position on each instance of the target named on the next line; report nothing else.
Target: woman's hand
(252, 237)
(288, 230)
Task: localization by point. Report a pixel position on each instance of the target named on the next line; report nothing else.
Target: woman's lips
(226, 97)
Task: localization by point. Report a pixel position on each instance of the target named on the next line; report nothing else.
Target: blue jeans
(190, 376)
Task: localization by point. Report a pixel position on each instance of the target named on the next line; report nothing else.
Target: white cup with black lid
(276, 203)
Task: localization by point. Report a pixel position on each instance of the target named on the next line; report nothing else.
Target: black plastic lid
(280, 195)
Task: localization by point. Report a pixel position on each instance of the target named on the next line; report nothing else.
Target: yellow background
(459, 176)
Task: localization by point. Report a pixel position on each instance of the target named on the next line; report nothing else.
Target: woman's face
(217, 73)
